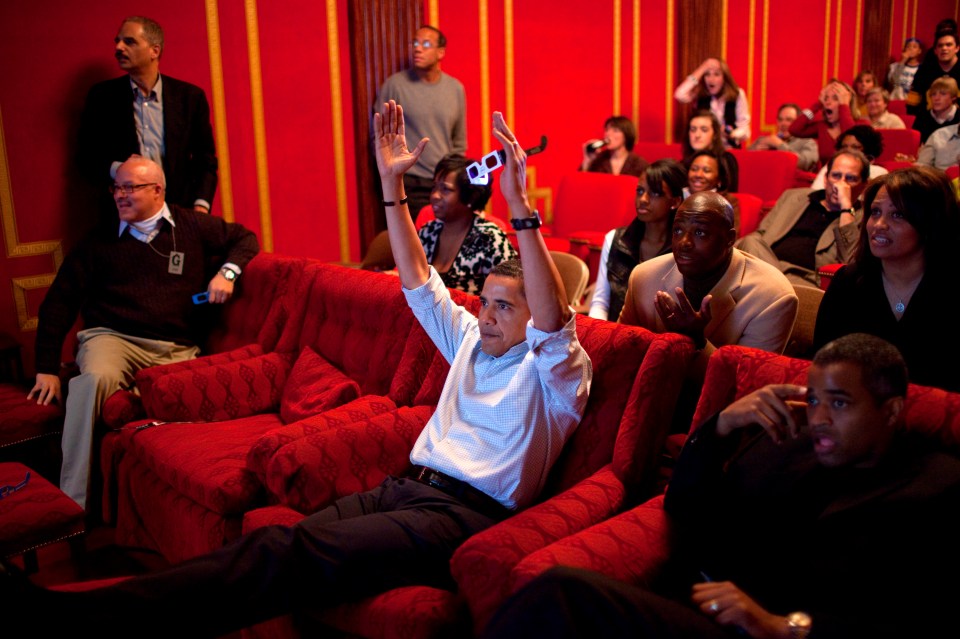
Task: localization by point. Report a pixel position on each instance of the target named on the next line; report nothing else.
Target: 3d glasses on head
(479, 172)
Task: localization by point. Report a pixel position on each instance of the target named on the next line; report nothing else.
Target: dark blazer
(108, 134)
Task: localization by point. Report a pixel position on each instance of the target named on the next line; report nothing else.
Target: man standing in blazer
(144, 113)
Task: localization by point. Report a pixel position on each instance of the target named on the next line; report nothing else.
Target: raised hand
(513, 181)
(390, 145)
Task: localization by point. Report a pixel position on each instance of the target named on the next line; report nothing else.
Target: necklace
(892, 293)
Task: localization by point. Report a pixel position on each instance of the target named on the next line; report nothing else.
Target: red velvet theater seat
(632, 546)
(765, 174)
(610, 460)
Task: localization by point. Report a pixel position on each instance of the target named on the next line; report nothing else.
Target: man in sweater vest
(134, 288)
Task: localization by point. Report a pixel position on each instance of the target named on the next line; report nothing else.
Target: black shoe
(21, 602)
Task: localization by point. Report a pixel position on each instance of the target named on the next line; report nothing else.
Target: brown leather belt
(461, 491)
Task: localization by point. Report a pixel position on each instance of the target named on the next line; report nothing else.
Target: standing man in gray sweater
(434, 106)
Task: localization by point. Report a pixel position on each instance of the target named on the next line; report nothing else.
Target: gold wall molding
(826, 42)
(858, 44)
(508, 52)
(259, 128)
(837, 31)
(617, 44)
(336, 115)
(724, 26)
(635, 71)
(16, 248)
(671, 61)
(484, 49)
(751, 46)
(433, 13)
(539, 194)
(764, 69)
(219, 108)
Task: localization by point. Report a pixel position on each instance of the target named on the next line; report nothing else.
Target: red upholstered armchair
(766, 175)
(590, 204)
(633, 545)
(610, 460)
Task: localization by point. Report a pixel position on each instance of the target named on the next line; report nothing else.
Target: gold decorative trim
(913, 23)
(893, 5)
(765, 36)
(617, 43)
(336, 116)
(15, 248)
(857, 44)
(903, 21)
(635, 75)
(219, 108)
(837, 30)
(751, 46)
(724, 26)
(826, 42)
(433, 13)
(259, 129)
(539, 193)
(508, 61)
(671, 55)
(485, 114)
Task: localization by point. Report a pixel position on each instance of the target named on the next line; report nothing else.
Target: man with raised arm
(516, 391)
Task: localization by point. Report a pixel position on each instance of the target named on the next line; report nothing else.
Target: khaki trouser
(108, 362)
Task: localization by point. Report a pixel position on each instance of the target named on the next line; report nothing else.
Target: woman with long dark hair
(659, 193)
(903, 271)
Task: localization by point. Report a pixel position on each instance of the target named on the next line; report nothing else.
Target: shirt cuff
(203, 203)
(233, 267)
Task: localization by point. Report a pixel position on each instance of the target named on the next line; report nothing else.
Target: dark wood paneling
(874, 56)
(699, 36)
(382, 30)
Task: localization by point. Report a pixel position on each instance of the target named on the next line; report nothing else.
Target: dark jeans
(418, 191)
(400, 533)
(568, 602)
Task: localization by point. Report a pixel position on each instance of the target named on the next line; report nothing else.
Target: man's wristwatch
(524, 223)
(800, 625)
(228, 274)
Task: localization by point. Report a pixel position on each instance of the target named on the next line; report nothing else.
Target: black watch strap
(524, 223)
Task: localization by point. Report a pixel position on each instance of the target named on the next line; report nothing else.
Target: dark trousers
(400, 533)
(418, 190)
(568, 602)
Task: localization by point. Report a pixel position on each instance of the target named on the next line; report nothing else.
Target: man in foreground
(516, 390)
(133, 287)
(839, 525)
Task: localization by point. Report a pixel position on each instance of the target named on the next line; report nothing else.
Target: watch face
(227, 273)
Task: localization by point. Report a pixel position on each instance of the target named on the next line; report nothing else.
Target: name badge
(175, 267)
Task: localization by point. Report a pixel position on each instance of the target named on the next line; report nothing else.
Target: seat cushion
(33, 512)
(22, 420)
(204, 462)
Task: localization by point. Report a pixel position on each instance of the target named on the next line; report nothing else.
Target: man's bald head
(139, 189)
(709, 202)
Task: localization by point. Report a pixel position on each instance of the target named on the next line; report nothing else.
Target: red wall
(285, 139)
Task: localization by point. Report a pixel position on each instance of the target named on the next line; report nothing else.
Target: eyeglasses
(850, 178)
(12, 488)
(423, 44)
(128, 189)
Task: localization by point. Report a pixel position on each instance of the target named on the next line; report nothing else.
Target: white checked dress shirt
(501, 421)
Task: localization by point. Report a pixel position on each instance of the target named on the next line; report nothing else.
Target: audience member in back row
(829, 116)
(615, 155)
(713, 88)
(460, 245)
(704, 133)
(862, 138)
(862, 84)
(804, 148)
(708, 290)
(877, 102)
(941, 108)
(901, 74)
(807, 229)
(942, 62)
(659, 193)
(942, 148)
(708, 173)
(895, 287)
